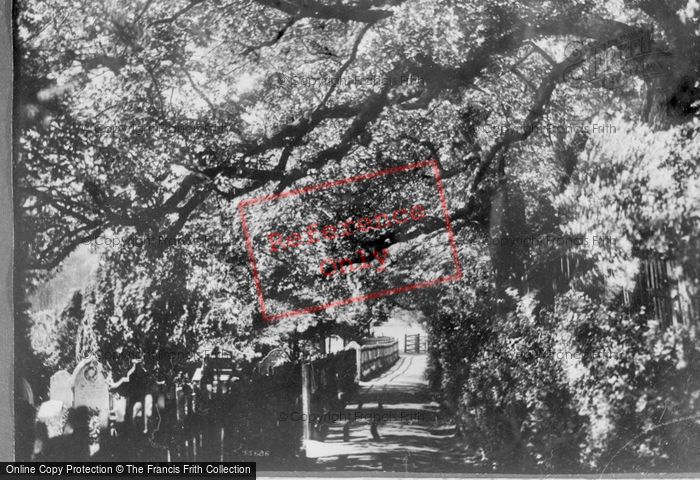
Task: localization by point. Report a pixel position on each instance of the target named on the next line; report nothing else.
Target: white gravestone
(61, 388)
(91, 389)
(52, 413)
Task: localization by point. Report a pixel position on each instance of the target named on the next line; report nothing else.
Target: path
(411, 438)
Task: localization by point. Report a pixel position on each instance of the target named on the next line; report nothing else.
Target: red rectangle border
(334, 183)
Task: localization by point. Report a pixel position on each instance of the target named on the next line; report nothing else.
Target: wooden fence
(377, 357)
(376, 340)
(216, 417)
(219, 414)
(667, 298)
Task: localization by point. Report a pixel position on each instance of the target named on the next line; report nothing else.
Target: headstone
(52, 413)
(119, 408)
(275, 358)
(26, 393)
(147, 412)
(335, 344)
(181, 401)
(91, 389)
(197, 375)
(61, 387)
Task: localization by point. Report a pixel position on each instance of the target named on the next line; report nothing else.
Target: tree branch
(314, 9)
(178, 14)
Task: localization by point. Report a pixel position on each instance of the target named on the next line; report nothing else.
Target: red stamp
(350, 240)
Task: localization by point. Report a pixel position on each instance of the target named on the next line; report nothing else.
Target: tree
(141, 121)
(150, 311)
(67, 330)
(76, 84)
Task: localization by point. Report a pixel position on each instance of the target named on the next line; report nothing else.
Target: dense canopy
(550, 120)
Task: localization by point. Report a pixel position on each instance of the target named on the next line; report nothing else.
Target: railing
(375, 340)
(373, 358)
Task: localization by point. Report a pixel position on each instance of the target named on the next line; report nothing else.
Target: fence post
(358, 358)
(305, 406)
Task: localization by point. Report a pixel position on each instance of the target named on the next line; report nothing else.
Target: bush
(581, 387)
(516, 398)
(637, 385)
(460, 326)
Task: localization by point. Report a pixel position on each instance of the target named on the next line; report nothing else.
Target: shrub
(638, 386)
(516, 398)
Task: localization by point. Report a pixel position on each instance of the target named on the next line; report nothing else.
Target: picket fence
(377, 357)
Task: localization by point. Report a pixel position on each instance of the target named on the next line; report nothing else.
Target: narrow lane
(410, 436)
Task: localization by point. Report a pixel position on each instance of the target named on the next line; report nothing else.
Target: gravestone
(275, 358)
(91, 389)
(61, 387)
(52, 413)
(181, 402)
(119, 405)
(335, 344)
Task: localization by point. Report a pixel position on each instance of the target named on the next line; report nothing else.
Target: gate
(412, 343)
(415, 343)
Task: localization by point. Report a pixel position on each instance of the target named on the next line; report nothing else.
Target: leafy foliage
(148, 119)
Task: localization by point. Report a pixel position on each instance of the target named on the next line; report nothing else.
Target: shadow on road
(392, 424)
